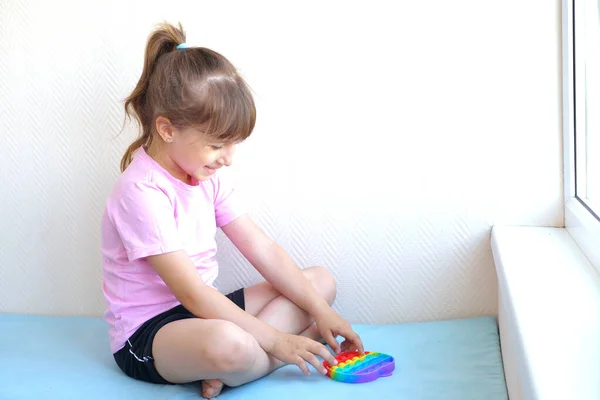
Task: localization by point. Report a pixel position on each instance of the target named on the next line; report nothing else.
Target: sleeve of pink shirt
(228, 204)
(144, 217)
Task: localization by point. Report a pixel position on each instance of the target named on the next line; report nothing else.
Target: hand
(299, 350)
(331, 325)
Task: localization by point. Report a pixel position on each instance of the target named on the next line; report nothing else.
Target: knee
(234, 349)
(324, 282)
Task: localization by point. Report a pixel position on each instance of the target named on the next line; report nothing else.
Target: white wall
(390, 137)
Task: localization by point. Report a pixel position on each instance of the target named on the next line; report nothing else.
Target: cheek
(205, 159)
(200, 160)
(188, 159)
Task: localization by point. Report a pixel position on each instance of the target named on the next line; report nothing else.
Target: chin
(201, 175)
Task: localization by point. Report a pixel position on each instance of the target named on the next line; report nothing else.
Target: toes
(211, 388)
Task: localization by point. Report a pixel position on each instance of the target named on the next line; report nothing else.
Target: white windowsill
(550, 314)
(585, 229)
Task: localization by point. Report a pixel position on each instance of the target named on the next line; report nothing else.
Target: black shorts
(135, 359)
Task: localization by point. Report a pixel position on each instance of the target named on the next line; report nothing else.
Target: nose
(227, 155)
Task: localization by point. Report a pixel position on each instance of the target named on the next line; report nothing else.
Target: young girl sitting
(167, 322)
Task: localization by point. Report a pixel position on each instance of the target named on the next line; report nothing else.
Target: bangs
(226, 110)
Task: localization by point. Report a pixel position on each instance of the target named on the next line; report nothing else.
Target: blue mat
(69, 358)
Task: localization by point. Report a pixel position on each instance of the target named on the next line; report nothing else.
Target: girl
(167, 322)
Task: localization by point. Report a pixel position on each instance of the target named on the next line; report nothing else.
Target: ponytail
(192, 87)
(164, 39)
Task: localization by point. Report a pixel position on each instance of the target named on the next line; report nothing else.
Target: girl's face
(187, 153)
(198, 156)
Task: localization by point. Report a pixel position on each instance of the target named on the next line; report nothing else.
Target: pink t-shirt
(148, 213)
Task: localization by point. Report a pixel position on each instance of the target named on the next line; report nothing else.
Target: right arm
(177, 271)
(179, 274)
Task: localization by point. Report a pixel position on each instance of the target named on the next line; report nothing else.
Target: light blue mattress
(69, 358)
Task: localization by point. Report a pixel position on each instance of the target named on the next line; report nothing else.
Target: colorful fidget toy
(355, 368)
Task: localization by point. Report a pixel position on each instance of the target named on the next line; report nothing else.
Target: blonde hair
(191, 86)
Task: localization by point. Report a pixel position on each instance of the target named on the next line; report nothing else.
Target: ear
(164, 128)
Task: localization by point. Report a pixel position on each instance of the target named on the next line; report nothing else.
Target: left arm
(277, 267)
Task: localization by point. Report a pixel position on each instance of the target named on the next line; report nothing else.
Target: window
(581, 119)
(587, 103)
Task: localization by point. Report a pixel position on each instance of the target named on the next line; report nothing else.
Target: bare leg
(227, 354)
(267, 304)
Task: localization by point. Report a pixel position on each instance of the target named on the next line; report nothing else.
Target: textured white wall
(390, 137)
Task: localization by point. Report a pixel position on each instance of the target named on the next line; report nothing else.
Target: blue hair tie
(183, 46)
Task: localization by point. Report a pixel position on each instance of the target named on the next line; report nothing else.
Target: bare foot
(211, 388)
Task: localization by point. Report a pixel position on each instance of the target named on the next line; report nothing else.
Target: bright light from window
(587, 103)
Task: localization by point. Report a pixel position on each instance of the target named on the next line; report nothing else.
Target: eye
(216, 147)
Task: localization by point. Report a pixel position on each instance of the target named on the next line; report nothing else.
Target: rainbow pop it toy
(356, 368)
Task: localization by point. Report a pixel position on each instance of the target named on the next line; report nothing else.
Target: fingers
(309, 357)
(357, 341)
(353, 337)
(315, 349)
(314, 361)
(307, 351)
(302, 365)
(322, 351)
(331, 341)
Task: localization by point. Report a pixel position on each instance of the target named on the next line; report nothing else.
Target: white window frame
(580, 222)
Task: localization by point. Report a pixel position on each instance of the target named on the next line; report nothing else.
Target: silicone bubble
(360, 368)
